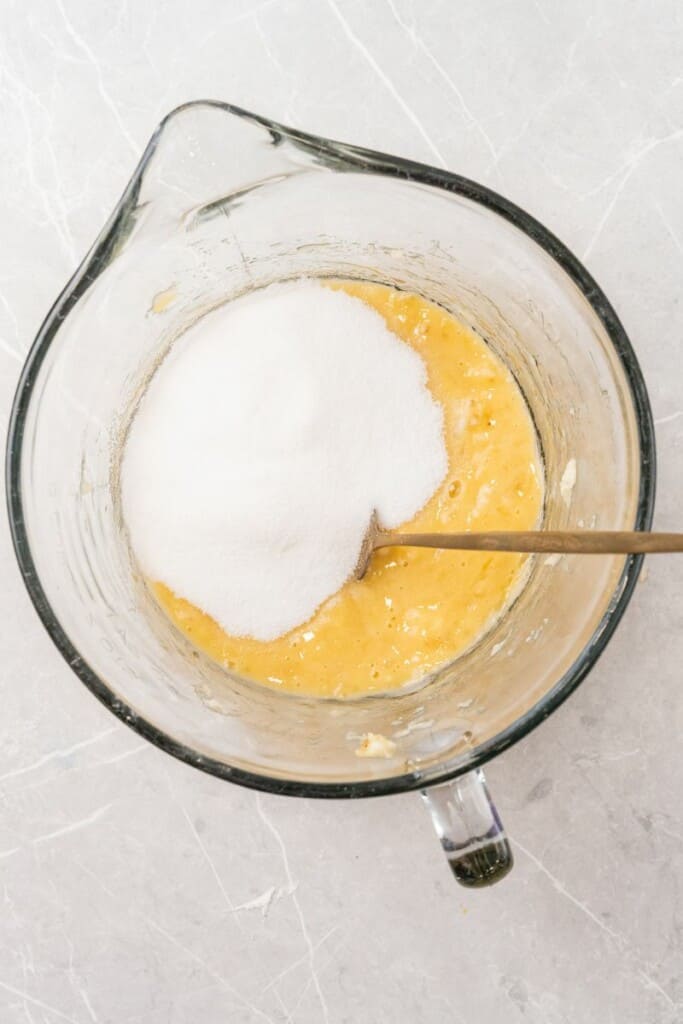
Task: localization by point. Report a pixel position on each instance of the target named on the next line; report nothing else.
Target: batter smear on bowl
(271, 431)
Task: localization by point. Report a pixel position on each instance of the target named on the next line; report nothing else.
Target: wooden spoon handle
(582, 542)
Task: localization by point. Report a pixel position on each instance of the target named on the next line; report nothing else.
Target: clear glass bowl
(222, 202)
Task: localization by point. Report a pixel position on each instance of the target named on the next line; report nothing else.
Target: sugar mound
(273, 428)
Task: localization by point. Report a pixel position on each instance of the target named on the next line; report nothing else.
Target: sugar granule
(273, 428)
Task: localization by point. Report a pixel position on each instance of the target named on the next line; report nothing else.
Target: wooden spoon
(561, 542)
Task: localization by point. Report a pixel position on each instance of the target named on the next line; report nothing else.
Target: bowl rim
(343, 157)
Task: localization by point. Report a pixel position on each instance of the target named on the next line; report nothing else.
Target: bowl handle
(471, 834)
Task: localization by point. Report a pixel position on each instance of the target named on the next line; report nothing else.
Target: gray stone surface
(134, 890)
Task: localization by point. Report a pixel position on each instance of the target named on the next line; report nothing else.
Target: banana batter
(415, 609)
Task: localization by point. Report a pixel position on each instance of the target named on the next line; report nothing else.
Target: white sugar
(271, 431)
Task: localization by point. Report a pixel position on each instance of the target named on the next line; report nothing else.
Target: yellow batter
(415, 609)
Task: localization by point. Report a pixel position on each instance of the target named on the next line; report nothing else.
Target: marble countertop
(135, 890)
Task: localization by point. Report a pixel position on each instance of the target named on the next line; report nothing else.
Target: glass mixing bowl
(224, 201)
